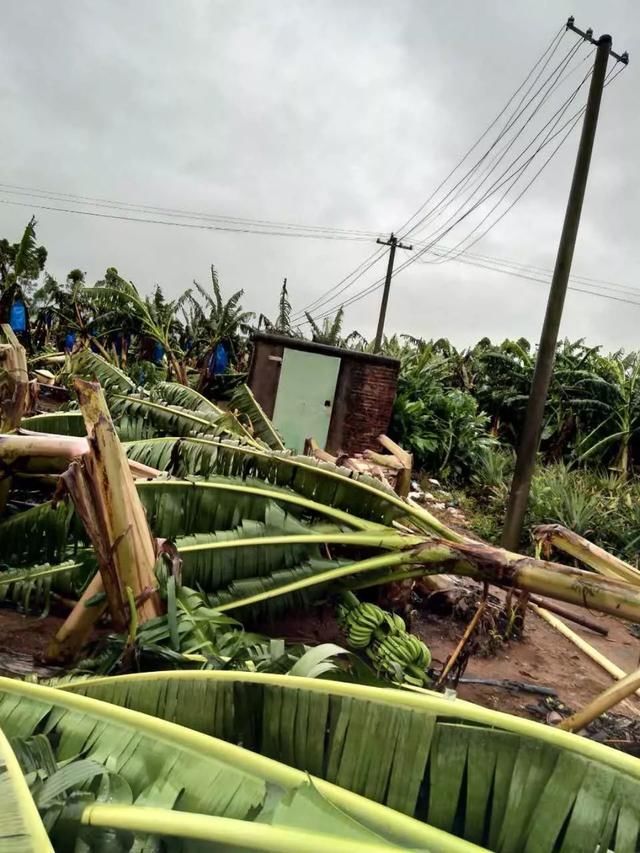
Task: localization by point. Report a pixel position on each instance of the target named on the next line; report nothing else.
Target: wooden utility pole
(532, 429)
(393, 243)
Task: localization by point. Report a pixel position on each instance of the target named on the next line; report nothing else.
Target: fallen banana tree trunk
(574, 586)
(26, 452)
(571, 615)
(557, 536)
(405, 558)
(580, 643)
(103, 492)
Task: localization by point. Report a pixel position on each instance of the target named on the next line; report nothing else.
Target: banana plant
(170, 409)
(356, 493)
(160, 767)
(176, 508)
(496, 780)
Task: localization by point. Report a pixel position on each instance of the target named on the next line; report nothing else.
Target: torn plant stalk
(14, 380)
(602, 703)
(103, 492)
(503, 568)
(28, 452)
(555, 535)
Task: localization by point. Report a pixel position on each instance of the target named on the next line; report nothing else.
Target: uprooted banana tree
(256, 529)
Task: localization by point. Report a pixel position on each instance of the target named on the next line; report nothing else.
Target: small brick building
(340, 397)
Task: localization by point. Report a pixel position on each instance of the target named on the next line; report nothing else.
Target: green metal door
(304, 400)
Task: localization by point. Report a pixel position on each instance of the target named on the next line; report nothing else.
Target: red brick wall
(363, 405)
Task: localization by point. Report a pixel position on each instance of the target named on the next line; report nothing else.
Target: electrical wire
(552, 47)
(505, 176)
(195, 225)
(357, 273)
(51, 195)
(612, 74)
(478, 180)
(573, 120)
(377, 284)
(570, 123)
(343, 284)
(580, 288)
(557, 75)
(545, 272)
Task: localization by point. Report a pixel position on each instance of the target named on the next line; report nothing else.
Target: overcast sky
(344, 113)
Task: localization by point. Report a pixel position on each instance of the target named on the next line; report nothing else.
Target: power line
(377, 284)
(343, 284)
(478, 179)
(549, 85)
(505, 177)
(553, 46)
(571, 122)
(536, 270)
(357, 273)
(530, 274)
(194, 225)
(551, 82)
(51, 195)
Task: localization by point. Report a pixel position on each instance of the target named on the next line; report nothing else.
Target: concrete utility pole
(393, 243)
(532, 429)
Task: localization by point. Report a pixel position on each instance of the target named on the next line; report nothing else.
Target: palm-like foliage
(348, 491)
(440, 425)
(214, 320)
(618, 409)
(330, 332)
(282, 324)
(21, 829)
(250, 411)
(24, 261)
(156, 318)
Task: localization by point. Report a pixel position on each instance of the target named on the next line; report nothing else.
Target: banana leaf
(21, 829)
(137, 418)
(250, 410)
(88, 365)
(40, 534)
(213, 560)
(304, 820)
(175, 394)
(181, 507)
(495, 780)
(323, 482)
(57, 423)
(174, 508)
(166, 765)
(30, 588)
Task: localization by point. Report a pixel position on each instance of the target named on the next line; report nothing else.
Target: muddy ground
(543, 658)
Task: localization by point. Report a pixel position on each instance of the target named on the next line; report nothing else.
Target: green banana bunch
(361, 622)
(384, 637)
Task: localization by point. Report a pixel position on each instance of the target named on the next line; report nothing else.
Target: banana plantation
(157, 531)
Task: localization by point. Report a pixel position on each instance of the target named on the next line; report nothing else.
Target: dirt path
(544, 657)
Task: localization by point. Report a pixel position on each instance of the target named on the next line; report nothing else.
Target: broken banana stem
(45, 453)
(503, 568)
(557, 536)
